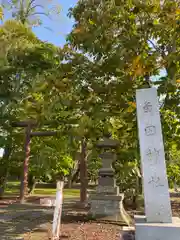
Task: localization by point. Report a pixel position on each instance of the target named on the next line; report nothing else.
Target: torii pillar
(28, 125)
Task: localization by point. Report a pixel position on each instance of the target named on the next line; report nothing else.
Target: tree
(71, 105)
(132, 45)
(23, 59)
(11, 89)
(129, 43)
(134, 33)
(50, 158)
(29, 11)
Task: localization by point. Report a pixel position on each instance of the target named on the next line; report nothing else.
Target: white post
(57, 211)
(156, 190)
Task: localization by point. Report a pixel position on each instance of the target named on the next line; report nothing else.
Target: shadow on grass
(23, 224)
(23, 218)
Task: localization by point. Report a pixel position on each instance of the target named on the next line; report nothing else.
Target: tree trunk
(73, 174)
(70, 181)
(136, 193)
(134, 202)
(140, 186)
(24, 180)
(175, 187)
(31, 184)
(31, 190)
(4, 169)
(83, 171)
(3, 181)
(76, 175)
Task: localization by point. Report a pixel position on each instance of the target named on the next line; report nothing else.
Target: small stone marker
(47, 202)
(158, 223)
(156, 190)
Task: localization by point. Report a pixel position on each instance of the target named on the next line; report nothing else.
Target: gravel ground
(82, 231)
(37, 224)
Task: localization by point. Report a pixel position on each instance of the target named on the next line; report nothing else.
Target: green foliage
(173, 166)
(128, 176)
(130, 42)
(94, 164)
(50, 158)
(135, 36)
(24, 61)
(1, 13)
(88, 87)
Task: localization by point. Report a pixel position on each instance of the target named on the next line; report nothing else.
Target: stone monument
(107, 202)
(158, 223)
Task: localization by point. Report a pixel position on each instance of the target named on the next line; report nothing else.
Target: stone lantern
(107, 203)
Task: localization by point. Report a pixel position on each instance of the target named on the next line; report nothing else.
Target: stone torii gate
(29, 125)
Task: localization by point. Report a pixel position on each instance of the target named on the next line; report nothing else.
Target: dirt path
(78, 231)
(34, 222)
(16, 221)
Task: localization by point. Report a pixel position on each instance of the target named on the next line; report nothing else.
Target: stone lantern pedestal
(107, 202)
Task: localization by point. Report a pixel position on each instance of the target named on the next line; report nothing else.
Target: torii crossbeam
(29, 125)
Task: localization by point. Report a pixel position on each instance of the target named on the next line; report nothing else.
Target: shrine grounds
(31, 221)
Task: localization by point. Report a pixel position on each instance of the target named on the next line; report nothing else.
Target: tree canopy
(87, 88)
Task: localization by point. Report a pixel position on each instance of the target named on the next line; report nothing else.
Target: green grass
(50, 191)
(13, 184)
(12, 189)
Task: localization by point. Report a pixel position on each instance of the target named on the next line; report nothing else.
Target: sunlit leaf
(91, 22)
(1, 13)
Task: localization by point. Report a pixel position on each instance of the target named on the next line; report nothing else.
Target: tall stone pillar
(107, 202)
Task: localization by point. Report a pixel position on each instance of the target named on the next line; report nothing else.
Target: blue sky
(60, 26)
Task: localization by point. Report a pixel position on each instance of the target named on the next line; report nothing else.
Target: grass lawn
(12, 189)
(50, 191)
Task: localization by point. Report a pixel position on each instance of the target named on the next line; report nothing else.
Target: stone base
(156, 231)
(48, 202)
(109, 208)
(127, 233)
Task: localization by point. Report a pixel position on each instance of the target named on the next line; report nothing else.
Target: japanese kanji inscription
(156, 190)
